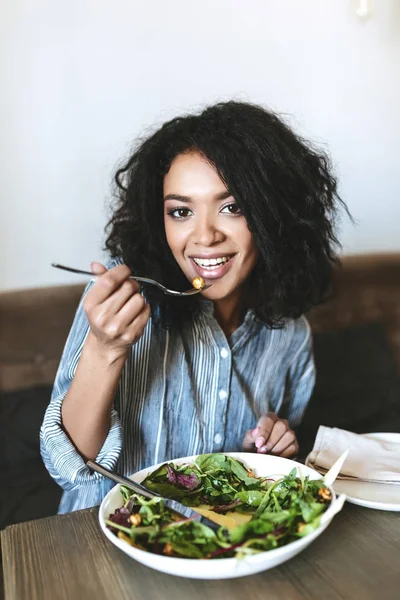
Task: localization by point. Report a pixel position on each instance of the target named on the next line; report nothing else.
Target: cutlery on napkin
(369, 459)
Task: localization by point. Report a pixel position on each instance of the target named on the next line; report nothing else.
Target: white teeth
(211, 262)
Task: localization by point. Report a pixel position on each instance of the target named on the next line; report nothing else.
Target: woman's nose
(206, 233)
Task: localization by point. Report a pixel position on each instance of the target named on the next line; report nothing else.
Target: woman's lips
(214, 272)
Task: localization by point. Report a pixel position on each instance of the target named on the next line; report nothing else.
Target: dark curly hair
(283, 186)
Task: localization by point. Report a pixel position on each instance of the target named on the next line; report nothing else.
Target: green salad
(278, 511)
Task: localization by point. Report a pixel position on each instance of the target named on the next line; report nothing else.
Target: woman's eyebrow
(187, 199)
(223, 195)
(177, 197)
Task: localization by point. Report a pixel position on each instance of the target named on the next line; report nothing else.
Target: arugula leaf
(241, 473)
(309, 528)
(310, 510)
(167, 490)
(208, 463)
(252, 497)
(275, 517)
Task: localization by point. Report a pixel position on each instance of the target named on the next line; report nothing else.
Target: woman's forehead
(191, 174)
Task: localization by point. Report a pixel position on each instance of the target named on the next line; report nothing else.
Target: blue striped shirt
(181, 393)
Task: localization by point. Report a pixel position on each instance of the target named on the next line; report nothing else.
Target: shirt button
(222, 394)
(218, 438)
(224, 353)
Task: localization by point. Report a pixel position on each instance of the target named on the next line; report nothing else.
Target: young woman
(234, 196)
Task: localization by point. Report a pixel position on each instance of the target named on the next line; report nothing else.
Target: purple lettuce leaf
(189, 482)
(120, 517)
(280, 531)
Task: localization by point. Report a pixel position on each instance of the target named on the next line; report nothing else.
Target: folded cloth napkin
(369, 459)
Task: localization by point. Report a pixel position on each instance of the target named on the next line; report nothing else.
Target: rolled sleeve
(60, 457)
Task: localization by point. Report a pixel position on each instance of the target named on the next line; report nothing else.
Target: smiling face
(205, 229)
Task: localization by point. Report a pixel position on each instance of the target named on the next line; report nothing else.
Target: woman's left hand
(272, 435)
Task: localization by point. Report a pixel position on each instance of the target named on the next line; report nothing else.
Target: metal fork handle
(72, 270)
(118, 478)
(83, 272)
(190, 292)
(182, 511)
(142, 279)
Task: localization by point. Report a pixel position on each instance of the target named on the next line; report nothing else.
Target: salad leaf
(121, 517)
(188, 482)
(280, 510)
(209, 463)
(168, 490)
(251, 497)
(310, 510)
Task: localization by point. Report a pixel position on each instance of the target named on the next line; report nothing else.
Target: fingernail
(260, 441)
(255, 431)
(263, 449)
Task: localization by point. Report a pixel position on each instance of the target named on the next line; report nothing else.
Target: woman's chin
(217, 291)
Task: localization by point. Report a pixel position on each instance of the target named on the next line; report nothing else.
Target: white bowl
(222, 568)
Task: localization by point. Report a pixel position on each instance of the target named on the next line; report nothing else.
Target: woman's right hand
(116, 311)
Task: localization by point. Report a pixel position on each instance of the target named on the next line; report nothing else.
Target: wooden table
(68, 558)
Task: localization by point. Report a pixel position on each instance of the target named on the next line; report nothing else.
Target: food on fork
(198, 283)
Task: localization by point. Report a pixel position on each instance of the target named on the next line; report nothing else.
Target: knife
(184, 512)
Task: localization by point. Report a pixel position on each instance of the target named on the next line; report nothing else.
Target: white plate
(381, 496)
(223, 568)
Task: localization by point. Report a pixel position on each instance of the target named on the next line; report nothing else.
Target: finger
(97, 268)
(291, 451)
(119, 326)
(137, 327)
(106, 284)
(286, 440)
(279, 429)
(264, 428)
(132, 309)
(121, 297)
(248, 440)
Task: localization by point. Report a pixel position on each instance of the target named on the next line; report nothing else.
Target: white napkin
(368, 460)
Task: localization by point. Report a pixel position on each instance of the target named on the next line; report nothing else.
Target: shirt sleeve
(301, 377)
(59, 455)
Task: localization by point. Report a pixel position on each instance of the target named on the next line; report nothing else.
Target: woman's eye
(232, 209)
(179, 213)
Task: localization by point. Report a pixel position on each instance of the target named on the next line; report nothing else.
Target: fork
(164, 289)
(181, 510)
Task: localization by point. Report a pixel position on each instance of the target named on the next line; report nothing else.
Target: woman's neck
(230, 313)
